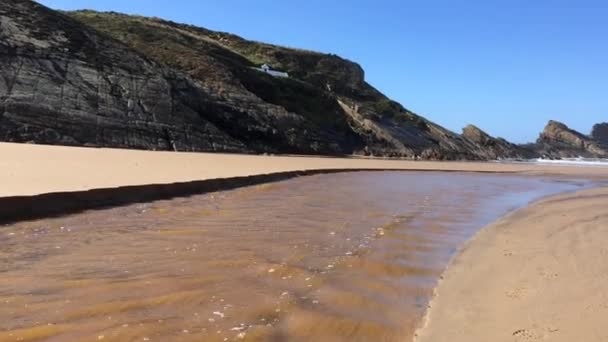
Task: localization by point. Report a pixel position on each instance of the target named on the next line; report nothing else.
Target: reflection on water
(343, 257)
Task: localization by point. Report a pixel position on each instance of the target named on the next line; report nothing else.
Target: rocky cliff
(107, 79)
(326, 92)
(600, 133)
(64, 83)
(558, 140)
(496, 148)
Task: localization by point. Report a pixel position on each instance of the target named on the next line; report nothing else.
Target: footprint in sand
(547, 274)
(517, 293)
(527, 335)
(533, 334)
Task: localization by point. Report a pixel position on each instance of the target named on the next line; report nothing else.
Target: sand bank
(27, 170)
(538, 274)
(39, 181)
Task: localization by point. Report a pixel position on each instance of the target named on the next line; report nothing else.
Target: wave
(580, 161)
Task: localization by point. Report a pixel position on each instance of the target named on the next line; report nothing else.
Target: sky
(507, 66)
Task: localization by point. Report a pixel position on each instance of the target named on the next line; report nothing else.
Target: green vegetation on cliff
(325, 90)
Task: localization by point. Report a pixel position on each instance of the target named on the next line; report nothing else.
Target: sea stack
(600, 133)
(558, 140)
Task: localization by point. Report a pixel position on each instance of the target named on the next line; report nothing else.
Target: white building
(268, 70)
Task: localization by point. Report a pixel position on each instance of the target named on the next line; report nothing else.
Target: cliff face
(63, 83)
(557, 140)
(325, 96)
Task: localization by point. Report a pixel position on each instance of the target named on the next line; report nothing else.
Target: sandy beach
(538, 274)
(40, 181)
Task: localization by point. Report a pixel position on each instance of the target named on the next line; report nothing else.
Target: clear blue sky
(507, 66)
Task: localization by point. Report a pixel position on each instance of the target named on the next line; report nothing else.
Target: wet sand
(342, 257)
(540, 274)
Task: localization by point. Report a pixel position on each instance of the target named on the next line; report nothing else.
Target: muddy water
(344, 257)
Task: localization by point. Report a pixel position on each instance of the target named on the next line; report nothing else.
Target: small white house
(268, 70)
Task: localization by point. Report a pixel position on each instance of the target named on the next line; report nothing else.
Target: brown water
(343, 257)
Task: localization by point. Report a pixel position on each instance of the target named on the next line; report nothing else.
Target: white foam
(580, 161)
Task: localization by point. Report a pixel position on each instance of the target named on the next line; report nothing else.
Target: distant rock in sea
(559, 141)
(600, 133)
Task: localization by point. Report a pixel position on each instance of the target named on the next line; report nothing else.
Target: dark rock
(559, 141)
(325, 106)
(63, 83)
(600, 133)
(495, 148)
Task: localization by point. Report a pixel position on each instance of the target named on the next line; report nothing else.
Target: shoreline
(28, 169)
(467, 305)
(52, 204)
(425, 321)
(43, 180)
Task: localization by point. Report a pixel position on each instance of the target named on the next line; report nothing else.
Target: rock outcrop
(600, 133)
(559, 141)
(64, 83)
(495, 148)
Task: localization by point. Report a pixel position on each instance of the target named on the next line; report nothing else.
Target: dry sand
(540, 274)
(36, 169)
